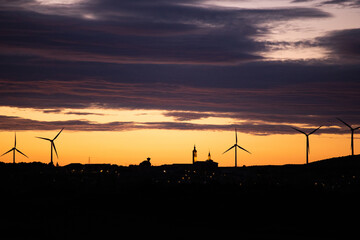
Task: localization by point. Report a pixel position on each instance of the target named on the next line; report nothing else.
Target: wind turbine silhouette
(352, 134)
(14, 149)
(307, 141)
(52, 146)
(236, 146)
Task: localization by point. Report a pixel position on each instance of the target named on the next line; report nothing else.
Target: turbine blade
(356, 128)
(44, 138)
(314, 130)
(344, 123)
(15, 141)
(58, 134)
(7, 152)
(299, 130)
(52, 143)
(229, 149)
(21, 152)
(235, 136)
(243, 149)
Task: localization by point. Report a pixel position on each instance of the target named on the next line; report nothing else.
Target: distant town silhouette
(180, 201)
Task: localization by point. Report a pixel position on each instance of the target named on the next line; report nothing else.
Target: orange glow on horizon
(172, 146)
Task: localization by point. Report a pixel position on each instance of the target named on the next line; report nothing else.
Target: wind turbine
(14, 149)
(352, 134)
(52, 146)
(307, 141)
(236, 146)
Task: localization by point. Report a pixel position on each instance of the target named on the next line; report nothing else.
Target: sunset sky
(150, 78)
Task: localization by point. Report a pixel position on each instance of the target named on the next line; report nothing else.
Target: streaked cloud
(347, 3)
(194, 61)
(21, 124)
(150, 32)
(270, 110)
(343, 44)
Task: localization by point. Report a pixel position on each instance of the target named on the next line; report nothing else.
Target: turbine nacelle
(14, 149)
(307, 140)
(348, 125)
(307, 134)
(52, 145)
(236, 146)
(352, 134)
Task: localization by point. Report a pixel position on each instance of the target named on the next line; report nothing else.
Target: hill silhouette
(318, 201)
(345, 161)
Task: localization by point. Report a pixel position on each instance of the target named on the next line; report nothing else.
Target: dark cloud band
(20, 124)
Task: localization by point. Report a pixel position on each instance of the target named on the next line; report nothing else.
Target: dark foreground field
(318, 201)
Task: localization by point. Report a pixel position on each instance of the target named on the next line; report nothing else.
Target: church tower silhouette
(194, 155)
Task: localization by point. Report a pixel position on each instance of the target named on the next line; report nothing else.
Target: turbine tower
(52, 145)
(352, 134)
(307, 141)
(236, 146)
(14, 149)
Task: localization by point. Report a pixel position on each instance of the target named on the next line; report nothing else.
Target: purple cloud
(343, 44)
(187, 59)
(19, 124)
(156, 32)
(312, 103)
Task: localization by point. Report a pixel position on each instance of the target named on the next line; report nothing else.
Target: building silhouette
(145, 163)
(208, 163)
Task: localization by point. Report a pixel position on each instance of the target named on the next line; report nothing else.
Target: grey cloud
(155, 32)
(306, 103)
(348, 3)
(351, 3)
(342, 44)
(52, 111)
(186, 116)
(10, 123)
(83, 113)
(170, 56)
